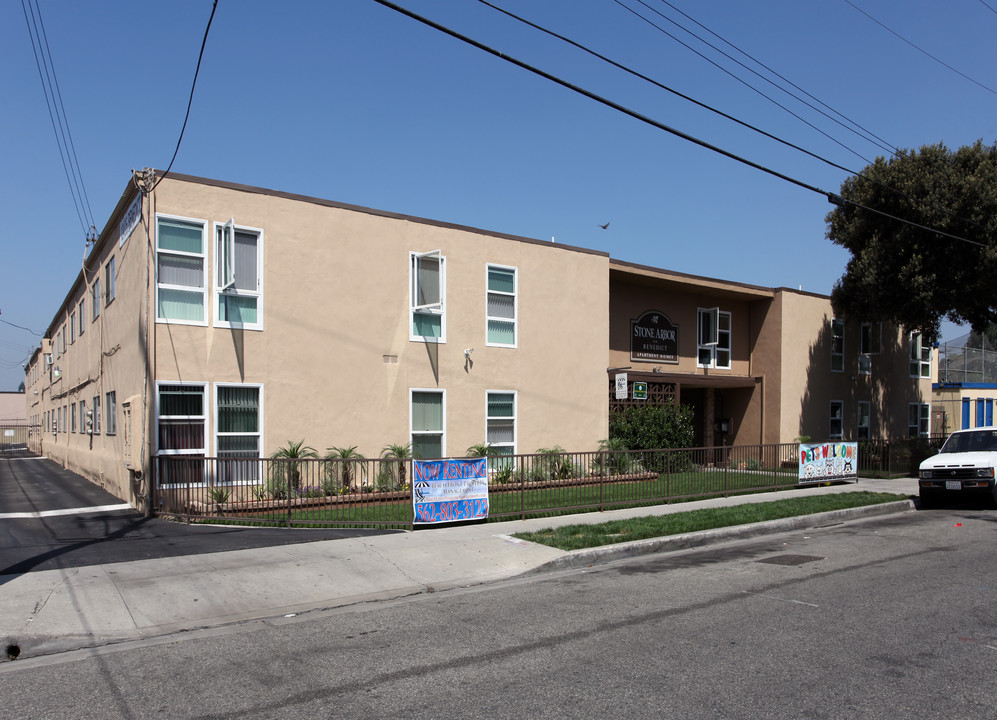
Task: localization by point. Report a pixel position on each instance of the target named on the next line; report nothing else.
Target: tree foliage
(911, 276)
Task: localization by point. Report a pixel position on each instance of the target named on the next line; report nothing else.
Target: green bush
(653, 427)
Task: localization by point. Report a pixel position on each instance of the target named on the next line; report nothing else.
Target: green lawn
(575, 537)
(510, 501)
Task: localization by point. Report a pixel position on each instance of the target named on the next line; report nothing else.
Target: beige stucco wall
(808, 385)
(107, 357)
(334, 357)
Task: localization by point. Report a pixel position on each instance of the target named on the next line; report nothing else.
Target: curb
(586, 557)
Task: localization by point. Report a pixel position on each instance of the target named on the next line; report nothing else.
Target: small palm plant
(346, 464)
(399, 456)
(285, 474)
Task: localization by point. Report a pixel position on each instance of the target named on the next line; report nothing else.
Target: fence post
(602, 480)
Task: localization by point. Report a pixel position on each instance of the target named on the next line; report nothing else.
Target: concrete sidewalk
(60, 610)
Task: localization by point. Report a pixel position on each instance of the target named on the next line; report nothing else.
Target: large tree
(911, 275)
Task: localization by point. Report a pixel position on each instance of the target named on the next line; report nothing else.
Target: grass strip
(576, 537)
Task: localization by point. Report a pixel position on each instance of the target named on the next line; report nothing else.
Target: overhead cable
(190, 100)
(831, 197)
(722, 114)
(57, 114)
(922, 50)
(744, 82)
(886, 144)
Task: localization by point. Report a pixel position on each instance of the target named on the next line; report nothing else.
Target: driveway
(51, 518)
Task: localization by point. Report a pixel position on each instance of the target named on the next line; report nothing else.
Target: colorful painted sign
(449, 490)
(828, 461)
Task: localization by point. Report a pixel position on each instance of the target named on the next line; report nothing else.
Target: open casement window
(428, 296)
(238, 285)
(714, 338)
(920, 356)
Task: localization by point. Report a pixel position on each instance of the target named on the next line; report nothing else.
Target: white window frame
(437, 308)
(83, 319)
(203, 451)
(96, 414)
(920, 357)
(85, 427)
(72, 327)
(840, 354)
(831, 434)
(514, 418)
(711, 343)
(95, 299)
(203, 256)
(867, 426)
(922, 411)
(259, 433)
(111, 412)
(870, 347)
(109, 277)
(72, 417)
(442, 433)
(224, 273)
(515, 305)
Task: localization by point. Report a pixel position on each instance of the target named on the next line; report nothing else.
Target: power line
(744, 82)
(988, 7)
(190, 100)
(57, 113)
(714, 110)
(886, 143)
(922, 50)
(831, 197)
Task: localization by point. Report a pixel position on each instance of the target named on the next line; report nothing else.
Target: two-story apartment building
(220, 320)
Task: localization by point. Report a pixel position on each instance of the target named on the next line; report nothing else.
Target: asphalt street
(51, 519)
(886, 617)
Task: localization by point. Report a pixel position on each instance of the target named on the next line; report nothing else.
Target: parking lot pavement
(51, 519)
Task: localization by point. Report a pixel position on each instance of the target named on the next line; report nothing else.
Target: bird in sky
(604, 226)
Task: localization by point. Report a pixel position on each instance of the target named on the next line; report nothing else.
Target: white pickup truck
(964, 466)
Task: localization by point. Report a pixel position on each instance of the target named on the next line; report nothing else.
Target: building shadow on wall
(887, 387)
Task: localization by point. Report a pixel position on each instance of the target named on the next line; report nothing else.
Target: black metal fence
(373, 493)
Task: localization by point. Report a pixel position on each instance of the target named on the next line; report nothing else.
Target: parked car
(964, 467)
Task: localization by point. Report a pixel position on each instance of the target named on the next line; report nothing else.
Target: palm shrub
(552, 464)
(613, 458)
(345, 467)
(392, 473)
(285, 474)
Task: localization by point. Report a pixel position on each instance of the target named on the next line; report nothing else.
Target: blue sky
(354, 102)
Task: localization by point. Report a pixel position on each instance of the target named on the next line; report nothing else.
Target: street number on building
(621, 386)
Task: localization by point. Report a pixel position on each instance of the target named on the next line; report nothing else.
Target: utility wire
(831, 197)
(744, 82)
(922, 50)
(988, 7)
(886, 143)
(20, 327)
(190, 100)
(718, 112)
(53, 102)
(662, 86)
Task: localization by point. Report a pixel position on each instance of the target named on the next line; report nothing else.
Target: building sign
(130, 219)
(621, 386)
(449, 490)
(640, 391)
(654, 338)
(828, 461)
